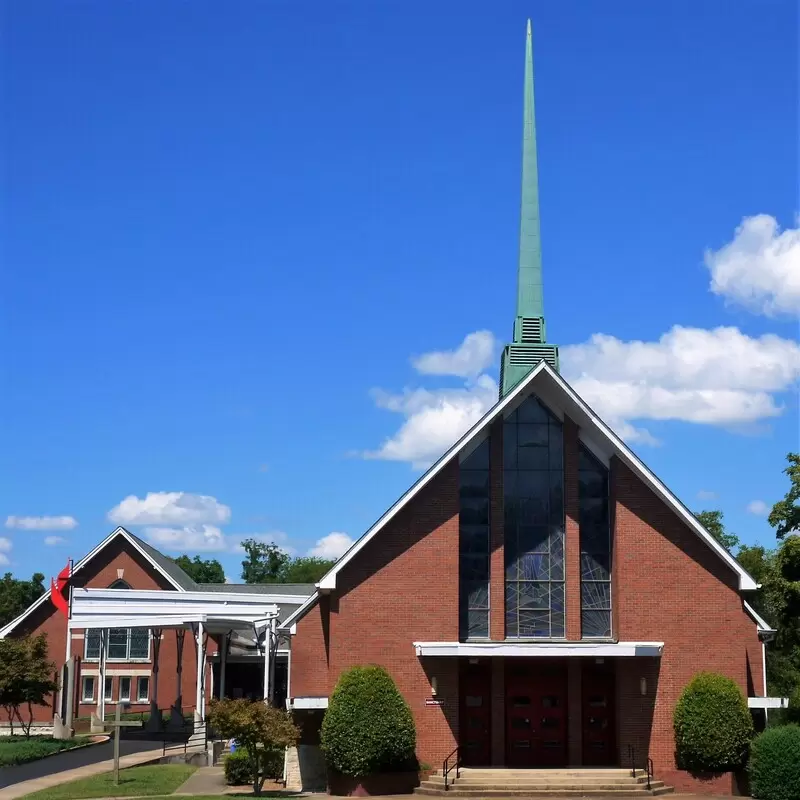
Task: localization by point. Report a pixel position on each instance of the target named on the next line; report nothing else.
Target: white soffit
(309, 703)
(533, 649)
(768, 702)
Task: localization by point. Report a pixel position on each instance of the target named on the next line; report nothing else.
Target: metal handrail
(649, 772)
(632, 759)
(447, 767)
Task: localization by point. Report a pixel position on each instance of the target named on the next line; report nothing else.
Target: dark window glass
(533, 489)
(118, 643)
(595, 535)
(474, 544)
(92, 651)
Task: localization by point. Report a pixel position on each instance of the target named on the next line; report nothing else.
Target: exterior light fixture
(643, 686)
(433, 686)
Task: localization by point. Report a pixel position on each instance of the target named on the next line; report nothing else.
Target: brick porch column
(572, 544)
(574, 712)
(498, 712)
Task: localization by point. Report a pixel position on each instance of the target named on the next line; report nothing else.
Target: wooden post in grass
(117, 724)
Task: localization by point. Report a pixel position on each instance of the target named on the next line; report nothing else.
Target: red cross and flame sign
(57, 588)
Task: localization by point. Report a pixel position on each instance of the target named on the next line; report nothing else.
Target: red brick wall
(401, 588)
(670, 587)
(101, 572)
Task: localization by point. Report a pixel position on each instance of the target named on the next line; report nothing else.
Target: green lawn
(19, 750)
(159, 779)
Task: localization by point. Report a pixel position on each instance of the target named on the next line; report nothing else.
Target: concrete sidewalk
(57, 778)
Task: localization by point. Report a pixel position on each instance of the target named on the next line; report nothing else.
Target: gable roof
(557, 393)
(166, 565)
(158, 561)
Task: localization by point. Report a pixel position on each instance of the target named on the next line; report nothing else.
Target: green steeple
(529, 346)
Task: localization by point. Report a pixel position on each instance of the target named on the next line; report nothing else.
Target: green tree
(259, 730)
(16, 595)
(307, 569)
(26, 677)
(201, 571)
(785, 514)
(712, 522)
(265, 562)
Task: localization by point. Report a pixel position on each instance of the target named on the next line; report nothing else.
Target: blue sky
(229, 229)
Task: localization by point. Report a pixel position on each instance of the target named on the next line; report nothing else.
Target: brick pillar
(572, 545)
(497, 568)
(498, 712)
(574, 712)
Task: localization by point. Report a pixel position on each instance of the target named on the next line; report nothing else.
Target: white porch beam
(201, 668)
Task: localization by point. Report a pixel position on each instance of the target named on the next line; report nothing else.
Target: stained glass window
(533, 488)
(474, 544)
(595, 531)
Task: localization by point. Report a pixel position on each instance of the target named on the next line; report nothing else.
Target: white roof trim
(544, 649)
(600, 435)
(768, 702)
(120, 531)
(306, 703)
(762, 624)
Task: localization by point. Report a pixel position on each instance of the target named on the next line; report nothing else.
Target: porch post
(223, 662)
(273, 644)
(200, 695)
(101, 690)
(267, 660)
(154, 721)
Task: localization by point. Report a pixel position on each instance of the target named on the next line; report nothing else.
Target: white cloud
(473, 356)
(760, 268)
(5, 547)
(332, 546)
(434, 419)
(170, 508)
(52, 541)
(208, 539)
(42, 523)
(716, 377)
(758, 507)
(704, 494)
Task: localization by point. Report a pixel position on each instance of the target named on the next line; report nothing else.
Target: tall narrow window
(87, 689)
(533, 489)
(473, 534)
(143, 689)
(124, 689)
(595, 531)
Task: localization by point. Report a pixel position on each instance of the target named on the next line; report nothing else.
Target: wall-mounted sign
(433, 701)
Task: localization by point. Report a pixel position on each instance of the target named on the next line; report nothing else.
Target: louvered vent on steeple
(531, 356)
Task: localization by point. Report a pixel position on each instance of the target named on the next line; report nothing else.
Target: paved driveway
(71, 759)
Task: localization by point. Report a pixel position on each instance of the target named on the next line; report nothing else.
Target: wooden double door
(536, 713)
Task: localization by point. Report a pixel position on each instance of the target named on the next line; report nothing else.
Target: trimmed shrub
(239, 769)
(368, 727)
(713, 725)
(775, 764)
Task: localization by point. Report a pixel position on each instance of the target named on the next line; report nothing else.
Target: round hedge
(368, 727)
(713, 725)
(775, 764)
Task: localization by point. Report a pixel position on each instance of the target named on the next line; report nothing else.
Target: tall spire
(529, 346)
(529, 276)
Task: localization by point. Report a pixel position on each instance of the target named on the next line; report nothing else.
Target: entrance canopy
(540, 649)
(131, 608)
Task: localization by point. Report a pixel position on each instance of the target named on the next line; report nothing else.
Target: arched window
(120, 584)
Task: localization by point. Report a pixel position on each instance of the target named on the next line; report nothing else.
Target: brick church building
(540, 597)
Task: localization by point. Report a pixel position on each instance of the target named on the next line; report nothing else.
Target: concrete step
(540, 792)
(504, 774)
(543, 783)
